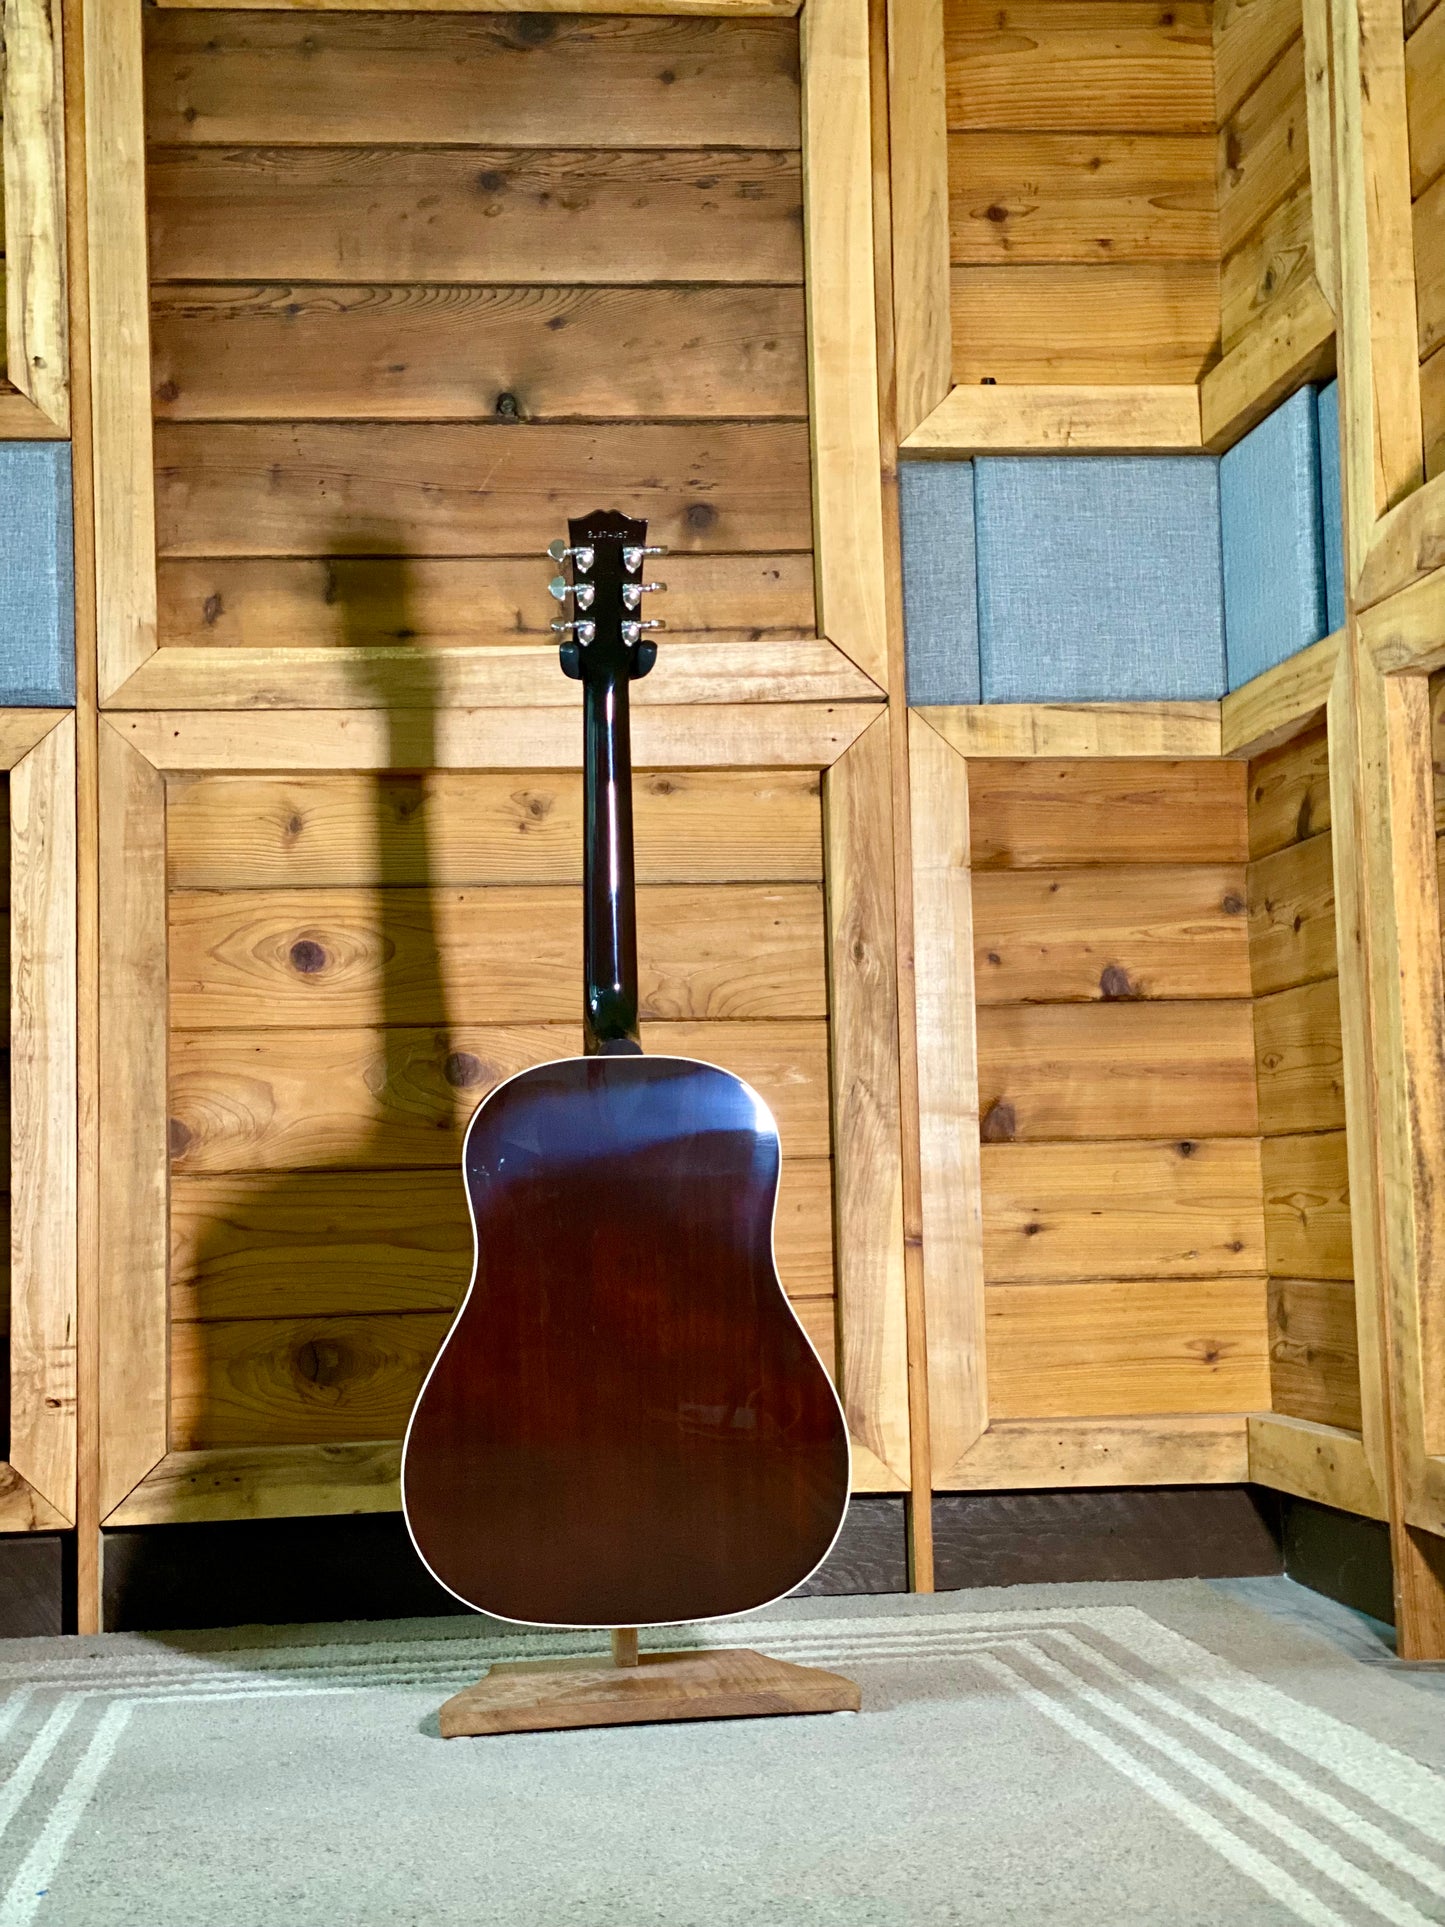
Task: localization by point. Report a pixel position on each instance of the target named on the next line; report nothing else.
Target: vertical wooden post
(624, 1646)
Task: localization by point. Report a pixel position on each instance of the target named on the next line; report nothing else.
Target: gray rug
(1120, 1756)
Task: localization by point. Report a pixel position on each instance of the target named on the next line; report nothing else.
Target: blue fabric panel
(940, 600)
(1273, 538)
(1331, 508)
(1099, 578)
(37, 575)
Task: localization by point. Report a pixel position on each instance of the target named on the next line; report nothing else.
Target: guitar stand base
(546, 1695)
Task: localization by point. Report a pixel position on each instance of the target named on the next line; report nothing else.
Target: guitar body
(626, 1424)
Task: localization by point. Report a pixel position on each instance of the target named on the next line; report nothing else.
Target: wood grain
(1052, 813)
(446, 828)
(1292, 916)
(348, 488)
(1055, 1213)
(1022, 1454)
(1274, 260)
(399, 1099)
(1430, 267)
(918, 190)
(1432, 406)
(37, 330)
(1293, 341)
(1086, 935)
(1314, 1360)
(1318, 1462)
(1137, 322)
(1280, 704)
(1307, 1206)
(218, 78)
(1042, 197)
(259, 1245)
(1127, 1347)
(1289, 793)
(405, 352)
(1052, 419)
(1299, 1059)
(1094, 65)
(475, 215)
(445, 603)
(1249, 37)
(342, 958)
(1425, 100)
(1124, 1070)
(1115, 730)
(1263, 148)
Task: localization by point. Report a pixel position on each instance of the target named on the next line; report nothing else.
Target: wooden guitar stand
(541, 1695)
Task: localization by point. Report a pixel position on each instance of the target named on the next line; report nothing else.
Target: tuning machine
(584, 632)
(584, 557)
(632, 557)
(633, 592)
(584, 592)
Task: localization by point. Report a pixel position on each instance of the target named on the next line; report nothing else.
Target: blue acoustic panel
(37, 575)
(1098, 578)
(1273, 538)
(940, 598)
(1331, 507)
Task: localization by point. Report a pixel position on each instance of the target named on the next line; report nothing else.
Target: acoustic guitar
(626, 1424)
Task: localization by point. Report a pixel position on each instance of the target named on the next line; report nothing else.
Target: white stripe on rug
(28, 1888)
(16, 1790)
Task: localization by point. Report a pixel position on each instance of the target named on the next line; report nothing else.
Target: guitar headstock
(606, 554)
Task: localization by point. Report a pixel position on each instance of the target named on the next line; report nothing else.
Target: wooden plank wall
(1425, 84)
(1124, 1242)
(423, 283)
(354, 962)
(1084, 244)
(1314, 1355)
(5, 1125)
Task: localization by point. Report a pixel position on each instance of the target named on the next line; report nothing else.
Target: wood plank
(1274, 261)
(1081, 197)
(1057, 1213)
(1249, 37)
(843, 367)
(343, 958)
(1432, 407)
(949, 1173)
(398, 1099)
(22, 1509)
(1320, 117)
(1113, 730)
(405, 352)
(1045, 814)
(1425, 100)
(1139, 322)
(22, 729)
(665, 736)
(476, 214)
(1314, 1360)
(1408, 542)
(1299, 1059)
(446, 603)
(1023, 1454)
(448, 829)
(1307, 1206)
(1105, 1349)
(131, 1277)
(1093, 65)
(42, 1135)
(1430, 267)
(1416, 12)
(729, 9)
(1273, 707)
(867, 1145)
(1263, 148)
(1292, 916)
(37, 332)
(1115, 1071)
(1317, 1462)
(918, 204)
(1050, 419)
(345, 488)
(317, 1244)
(323, 77)
(1294, 342)
(1086, 935)
(1289, 793)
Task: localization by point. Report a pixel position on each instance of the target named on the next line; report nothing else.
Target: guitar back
(627, 1424)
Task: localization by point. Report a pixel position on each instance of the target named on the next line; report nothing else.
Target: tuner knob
(633, 592)
(583, 557)
(632, 557)
(585, 592)
(632, 631)
(584, 631)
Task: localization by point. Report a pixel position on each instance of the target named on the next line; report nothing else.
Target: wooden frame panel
(142, 1481)
(37, 1487)
(35, 400)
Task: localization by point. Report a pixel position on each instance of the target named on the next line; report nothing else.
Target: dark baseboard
(36, 1584)
(1345, 1557)
(1158, 1532)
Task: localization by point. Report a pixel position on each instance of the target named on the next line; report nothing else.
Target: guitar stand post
(546, 1695)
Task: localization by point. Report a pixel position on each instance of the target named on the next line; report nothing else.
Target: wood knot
(1116, 985)
(307, 957)
(492, 181)
(1186, 1147)
(700, 515)
(321, 1362)
(995, 213)
(999, 1124)
(1032, 1230)
(1303, 823)
(181, 1137)
(1232, 905)
(168, 391)
(211, 609)
(508, 408)
(532, 29)
(462, 1070)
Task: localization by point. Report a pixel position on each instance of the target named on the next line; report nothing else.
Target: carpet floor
(1102, 1756)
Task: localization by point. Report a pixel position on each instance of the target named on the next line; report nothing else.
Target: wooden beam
(43, 1118)
(1408, 542)
(1381, 454)
(121, 440)
(1078, 729)
(1407, 632)
(37, 332)
(721, 9)
(947, 1095)
(22, 421)
(22, 729)
(918, 175)
(667, 736)
(1320, 108)
(867, 1149)
(22, 1509)
(1027, 1454)
(1293, 343)
(1271, 708)
(134, 1119)
(842, 333)
(1076, 421)
(1318, 1462)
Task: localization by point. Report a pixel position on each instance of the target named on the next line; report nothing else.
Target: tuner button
(559, 588)
(557, 550)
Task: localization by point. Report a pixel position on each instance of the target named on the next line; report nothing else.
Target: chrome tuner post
(632, 631)
(585, 592)
(583, 557)
(584, 631)
(632, 557)
(633, 592)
